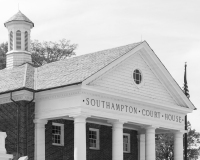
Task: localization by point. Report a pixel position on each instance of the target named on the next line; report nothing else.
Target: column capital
(150, 127)
(114, 121)
(3, 134)
(180, 132)
(40, 121)
(80, 118)
(141, 137)
(79, 115)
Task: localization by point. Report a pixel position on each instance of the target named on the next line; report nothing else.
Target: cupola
(19, 29)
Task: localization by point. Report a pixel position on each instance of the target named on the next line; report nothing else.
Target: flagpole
(185, 138)
(186, 91)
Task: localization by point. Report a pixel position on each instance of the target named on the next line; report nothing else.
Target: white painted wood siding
(120, 80)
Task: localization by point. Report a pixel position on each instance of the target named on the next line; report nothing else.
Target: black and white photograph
(99, 80)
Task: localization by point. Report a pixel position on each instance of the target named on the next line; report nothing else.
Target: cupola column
(9, 41)
(29, 41)
(14, 40)
(22, 40)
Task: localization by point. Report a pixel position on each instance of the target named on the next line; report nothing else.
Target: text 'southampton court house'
(106, 105)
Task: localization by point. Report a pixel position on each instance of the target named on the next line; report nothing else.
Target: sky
(170, 27)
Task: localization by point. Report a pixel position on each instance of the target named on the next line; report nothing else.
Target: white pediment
(119, 80)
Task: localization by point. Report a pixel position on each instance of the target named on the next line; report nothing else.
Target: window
(137, 76)
(26, 41)
(18, 40)
(58, 134)
(94, 138)
(11, 40)
(126, 143)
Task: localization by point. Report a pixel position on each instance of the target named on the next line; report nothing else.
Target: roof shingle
(60, 73)
(19, 16)
(77, 69)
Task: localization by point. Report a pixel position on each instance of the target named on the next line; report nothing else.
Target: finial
(18, 6)
(141, 37)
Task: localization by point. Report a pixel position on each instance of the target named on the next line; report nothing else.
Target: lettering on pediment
(134, 110)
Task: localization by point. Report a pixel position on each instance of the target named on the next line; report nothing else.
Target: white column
(40, 139)
(150, 150)
(117, 140)
(29, 40)
(22, 40)
(9, 40)
(2, 142)
(141, 146)
(14, 40)
(80, 137)
(3, 155)
(178, 145)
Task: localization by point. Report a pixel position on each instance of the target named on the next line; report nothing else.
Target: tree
(47, 52)
(3, 51)
(165, 145)
(44, 52)
(193, 139)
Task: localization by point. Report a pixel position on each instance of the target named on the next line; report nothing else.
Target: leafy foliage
(47, 52)
(165, 145)
(193, 139)
(43, 52)
(3, 51)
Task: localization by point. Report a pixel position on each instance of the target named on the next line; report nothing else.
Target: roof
(17, 78)
(19, 16)
(60, 73)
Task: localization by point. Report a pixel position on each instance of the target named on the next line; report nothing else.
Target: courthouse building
(106, 105)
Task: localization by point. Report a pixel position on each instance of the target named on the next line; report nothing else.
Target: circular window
(137, 76)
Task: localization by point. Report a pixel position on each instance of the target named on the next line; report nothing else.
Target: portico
(85, 106)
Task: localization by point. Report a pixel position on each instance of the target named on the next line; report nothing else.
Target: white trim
(165, 76)
(61, 135)
(129, 142)
(97, 140)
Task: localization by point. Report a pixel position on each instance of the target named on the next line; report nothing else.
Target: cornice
(55, 95)
(22, 95)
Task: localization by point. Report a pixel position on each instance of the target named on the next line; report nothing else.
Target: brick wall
(66, 152)
(133, 155)
(105, 151)
(8, 119)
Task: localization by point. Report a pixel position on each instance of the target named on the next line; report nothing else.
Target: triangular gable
(120, 80)
(117, 78)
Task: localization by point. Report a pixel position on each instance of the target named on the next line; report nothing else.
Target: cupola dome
(19, 17)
